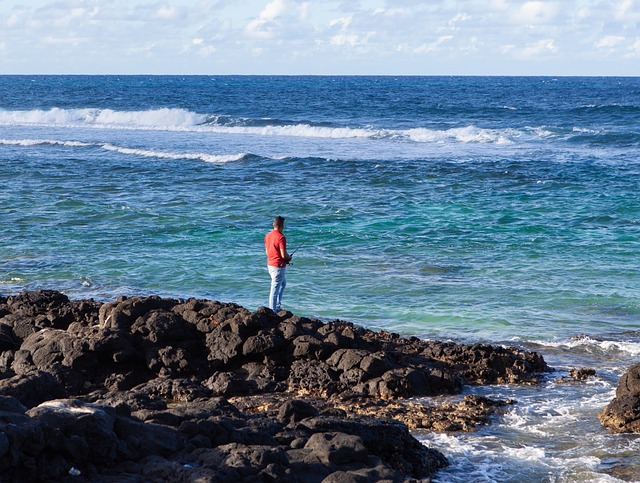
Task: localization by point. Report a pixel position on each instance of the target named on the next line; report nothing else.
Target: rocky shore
(147, 389)
(622, 414)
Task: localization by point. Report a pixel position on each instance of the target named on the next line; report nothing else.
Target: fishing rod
(298, 248)
(292, 253)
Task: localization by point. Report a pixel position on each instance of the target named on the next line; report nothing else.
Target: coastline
(158, 389)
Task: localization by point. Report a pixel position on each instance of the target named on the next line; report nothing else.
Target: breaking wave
(208, 158)
(596, 345)
(182, 120)
(188, 121)
(102, 118)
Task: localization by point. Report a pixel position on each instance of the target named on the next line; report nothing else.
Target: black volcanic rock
(153, 389)
(622, 414)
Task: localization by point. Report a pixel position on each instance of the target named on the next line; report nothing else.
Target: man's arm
(283, 252)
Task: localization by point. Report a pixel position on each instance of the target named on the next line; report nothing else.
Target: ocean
(503, 210)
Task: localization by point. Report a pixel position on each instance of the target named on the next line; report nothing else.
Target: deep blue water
(503, 209)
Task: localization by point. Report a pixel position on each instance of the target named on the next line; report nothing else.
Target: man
(275, 244)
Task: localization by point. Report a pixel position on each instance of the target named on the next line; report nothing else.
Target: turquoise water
(504, 210)
(470, 247)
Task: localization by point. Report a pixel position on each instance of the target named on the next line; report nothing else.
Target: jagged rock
(577, 375)
(144, 382)
(80, 430)
(33, 388)
(390, 440)
(239, 462)
(465, 415)
(31, 311)
(122, 314)
(295, 410)
(223, 346)
(622, 414)
(337, 448)
(582, 374)
(629, 383)
(8, 339)
(145, 439)
(12, 405)
(486, 364)
(312, 377)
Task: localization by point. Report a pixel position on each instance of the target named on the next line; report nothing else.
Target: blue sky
(399, 37)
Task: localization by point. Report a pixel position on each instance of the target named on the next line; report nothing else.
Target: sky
(321, 37)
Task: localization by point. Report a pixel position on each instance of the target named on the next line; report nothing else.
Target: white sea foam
(102, 117)
(583, 130)
(589, 344)
(188, 121)
(525, 453)
(302, 130)
(41, 142)
(209, 158)
(12, 280)
(487, 459)
(156, 117)
(533, 440)
(469, 134)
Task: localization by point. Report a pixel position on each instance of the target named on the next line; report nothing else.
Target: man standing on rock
(275, 244)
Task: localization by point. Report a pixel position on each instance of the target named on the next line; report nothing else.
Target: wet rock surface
(622, 414)
(152, 389)
(578, 375)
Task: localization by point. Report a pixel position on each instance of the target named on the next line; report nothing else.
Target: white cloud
(61, 15)
(433, 46)
(362, 42)
(201, 46)
(141, 50)
(345, 39)
(540, 47)
(342, 22)
(627, 12)
(609, 42)
(506, 49)
(389, 12)
(498, 5)
(68, 40)
(342, 33)
(17, 17)
(264, 26)
(167, 12)
(459, 18)
(634, 50)
(207, 51)
(535, 13)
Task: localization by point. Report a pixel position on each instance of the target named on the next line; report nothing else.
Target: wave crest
(155, 117)
(175, 119)
(164, 117)
(468, 134)
(591, 344)
(208, 158)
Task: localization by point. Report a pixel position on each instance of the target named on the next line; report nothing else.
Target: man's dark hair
(278, 221)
